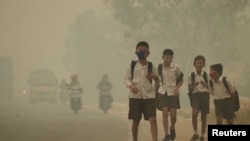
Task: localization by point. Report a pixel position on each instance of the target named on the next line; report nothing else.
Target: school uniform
(170, 75)
(223, 99)
(143, 102)
(200, 94)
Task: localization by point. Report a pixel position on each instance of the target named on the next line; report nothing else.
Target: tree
(94, 47)
(193, 26)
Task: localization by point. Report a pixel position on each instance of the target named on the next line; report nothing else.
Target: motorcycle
(64, 96)
(105, 101)
(75, 99)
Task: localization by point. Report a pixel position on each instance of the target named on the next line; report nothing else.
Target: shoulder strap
(224, 83)
(133, 62)
(192, 77)
(211, 83)
(160, 71)
(150, 69)
(205, 76)
(179, 78)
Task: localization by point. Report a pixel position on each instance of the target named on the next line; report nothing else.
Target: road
(50, 122)
(56, 122)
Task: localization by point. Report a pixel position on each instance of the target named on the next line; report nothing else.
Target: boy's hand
(203, 83)
(196, 83)
(152, 76)
(176, 92)
(134, 89)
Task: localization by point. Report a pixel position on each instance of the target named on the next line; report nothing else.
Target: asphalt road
(56, 122)
(48, 122)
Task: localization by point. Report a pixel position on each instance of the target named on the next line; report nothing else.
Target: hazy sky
(33, 32)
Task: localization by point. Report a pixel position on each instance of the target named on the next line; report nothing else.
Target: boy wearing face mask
(224, 105)
(142, 92)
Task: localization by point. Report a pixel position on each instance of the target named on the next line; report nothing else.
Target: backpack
(192, 80)
(133, 62)
(236, 95)
(160, 74)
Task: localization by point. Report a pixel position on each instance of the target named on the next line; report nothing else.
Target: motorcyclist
(105, 87)
(75, 85)
(63, 90)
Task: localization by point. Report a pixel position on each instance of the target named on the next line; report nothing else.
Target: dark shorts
(201, 101)
(139, 107)
(225, 108)
(171, 102)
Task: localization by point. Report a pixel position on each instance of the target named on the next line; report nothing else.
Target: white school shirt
(170, 74)
(146, 89)
(219, 91)
(198, 78)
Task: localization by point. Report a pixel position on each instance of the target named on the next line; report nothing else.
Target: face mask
(212, 74)
(142, 54)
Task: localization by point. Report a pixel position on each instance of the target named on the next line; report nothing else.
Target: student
(142, 93)
(223, 100)
(168, 93)
(199, 96)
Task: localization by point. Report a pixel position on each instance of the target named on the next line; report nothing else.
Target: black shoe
(195, 137)
(172, 134)
(166, 138)
(202, 139)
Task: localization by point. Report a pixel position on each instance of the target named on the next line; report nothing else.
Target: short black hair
(142, 43)
(168, 52)
(217, 67)
(200, 57)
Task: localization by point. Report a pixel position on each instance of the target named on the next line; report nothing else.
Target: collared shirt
(146, 89)
(198, 78)
(170, 74)
(219, 91)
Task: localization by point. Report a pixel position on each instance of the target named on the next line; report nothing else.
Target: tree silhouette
(187, 26)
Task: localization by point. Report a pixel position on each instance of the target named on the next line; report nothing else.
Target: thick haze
(33, 33)
(93, 37)
(46, 34)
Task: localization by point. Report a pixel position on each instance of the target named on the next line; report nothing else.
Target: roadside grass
(242, 116)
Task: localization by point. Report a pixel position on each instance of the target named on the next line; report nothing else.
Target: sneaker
(166, 138)
(194, 137)
(172, 134)
(202, 139)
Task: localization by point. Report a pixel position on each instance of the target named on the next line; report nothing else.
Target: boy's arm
(210, 88)
(127, 78)
(190, 86)
(179, 82)
(154, 75)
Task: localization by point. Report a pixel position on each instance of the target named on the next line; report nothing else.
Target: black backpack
(133, 62)
(160, 73)
(192, 80)
(180, 77)
(236, 95)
